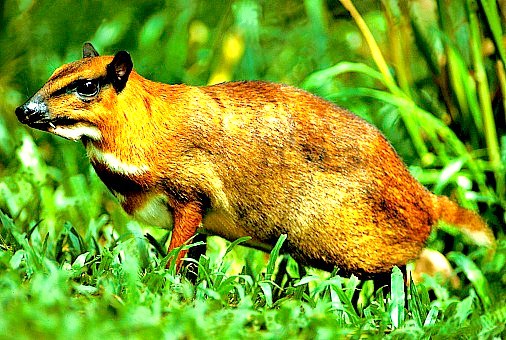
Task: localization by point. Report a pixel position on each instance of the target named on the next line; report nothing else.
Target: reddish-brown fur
(252, 159)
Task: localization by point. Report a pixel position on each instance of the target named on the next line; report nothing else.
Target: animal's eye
(87, 88)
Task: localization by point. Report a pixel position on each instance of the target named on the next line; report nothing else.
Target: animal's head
(78, 97)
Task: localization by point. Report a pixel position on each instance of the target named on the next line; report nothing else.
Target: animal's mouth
(38, 124)
(62, 122)
(42, 124)
(35, 114)
(46, 124)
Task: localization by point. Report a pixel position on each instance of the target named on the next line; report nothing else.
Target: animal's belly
(223, 223)
(154, 210)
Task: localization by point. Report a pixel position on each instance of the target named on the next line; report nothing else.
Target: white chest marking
(114, 163)
(155, 212)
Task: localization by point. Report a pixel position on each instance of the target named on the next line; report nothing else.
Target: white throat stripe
(114, 163)
(76, 132)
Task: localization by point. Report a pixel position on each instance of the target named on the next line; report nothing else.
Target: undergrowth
(89, 286)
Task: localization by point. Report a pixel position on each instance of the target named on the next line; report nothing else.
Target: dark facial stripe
(102, 81)
(65, 77)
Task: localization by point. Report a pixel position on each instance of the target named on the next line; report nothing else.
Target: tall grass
(458, 69)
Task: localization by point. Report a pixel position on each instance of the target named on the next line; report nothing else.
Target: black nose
(20, 112)
(33, 111)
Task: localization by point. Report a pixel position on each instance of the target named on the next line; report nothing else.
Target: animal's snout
(33, 111)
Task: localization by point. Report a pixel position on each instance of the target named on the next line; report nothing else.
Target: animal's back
(293, 163)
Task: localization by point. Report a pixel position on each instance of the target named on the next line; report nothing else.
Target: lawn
(429, 74)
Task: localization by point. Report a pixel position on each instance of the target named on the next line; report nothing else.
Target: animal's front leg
(187, 218)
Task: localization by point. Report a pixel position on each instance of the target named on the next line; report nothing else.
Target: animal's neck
(127, 134)
(127, 163)
(123, 175)
(147, 118)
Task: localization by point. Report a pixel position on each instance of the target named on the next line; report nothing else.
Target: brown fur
(258, 159)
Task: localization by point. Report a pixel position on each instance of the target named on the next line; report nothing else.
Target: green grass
(73, 286)
(74, 265)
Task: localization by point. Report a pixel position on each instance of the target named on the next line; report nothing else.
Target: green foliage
(429, 74)
(84, 287)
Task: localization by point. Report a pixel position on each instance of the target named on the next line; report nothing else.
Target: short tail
(467, 222)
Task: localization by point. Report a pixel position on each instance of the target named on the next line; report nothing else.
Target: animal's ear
(89, 51)
(119, 69)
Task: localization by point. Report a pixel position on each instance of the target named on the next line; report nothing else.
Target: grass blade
(397, 298)
(474, 274)
(371, 42)
(484, 96)
(271, 265)
(494, 23)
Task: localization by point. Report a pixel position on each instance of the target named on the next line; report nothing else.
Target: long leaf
(397, 298)
(494, 23)
(474, 274)
(371, 42)
(484, 96)
(274, 256)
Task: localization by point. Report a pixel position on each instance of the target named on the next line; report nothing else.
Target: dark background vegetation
(434, 84)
